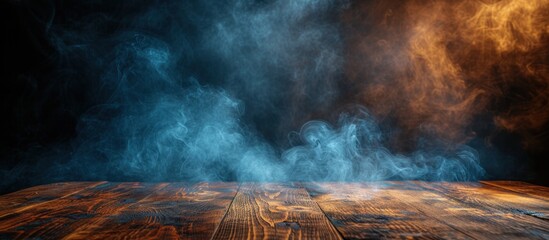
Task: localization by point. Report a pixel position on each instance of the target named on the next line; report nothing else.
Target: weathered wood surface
(281, 211)
(522, 187)
(214, 210)
(172, 211)
(514, 211)
(35, 196)
(373, 212)
(125, 210)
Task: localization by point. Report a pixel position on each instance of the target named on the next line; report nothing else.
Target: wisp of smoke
(194, 91)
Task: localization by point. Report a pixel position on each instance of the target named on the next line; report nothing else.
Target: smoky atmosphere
(274, 91)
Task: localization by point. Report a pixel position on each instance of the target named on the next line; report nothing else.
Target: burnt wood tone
(522, 187)
(281, 211)
(378, 210)
(216, 210)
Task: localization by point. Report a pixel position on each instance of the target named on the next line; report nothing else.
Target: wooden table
(222, 210)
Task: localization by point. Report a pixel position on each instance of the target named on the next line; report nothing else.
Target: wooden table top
(225, 210)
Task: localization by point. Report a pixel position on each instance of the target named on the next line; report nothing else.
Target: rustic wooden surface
(282, 211)
(215, 210)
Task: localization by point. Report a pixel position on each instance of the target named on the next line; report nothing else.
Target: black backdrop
(40, 111)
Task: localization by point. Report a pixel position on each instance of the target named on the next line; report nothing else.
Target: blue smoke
(194, 92)
(354, 152)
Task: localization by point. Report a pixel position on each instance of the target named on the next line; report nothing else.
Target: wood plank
(274, 211)
(487, 210)
(34, 196)
(522, 187)
(492, 197)
(478, 223)
(377, 211)
(177, 211)
(521, 212)
(60, 217)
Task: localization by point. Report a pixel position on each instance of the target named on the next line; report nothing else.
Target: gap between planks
(298, 210)
(428, 209)
(274, 210)
(226, 211)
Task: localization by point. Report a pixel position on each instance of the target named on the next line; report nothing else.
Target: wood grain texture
(515, 211)
(176, 211)
(274, 211)
(377, 211)
(479, 223)
(58, 218)
(207, 210)
(522, 187)
(482, 195)
(34, 196)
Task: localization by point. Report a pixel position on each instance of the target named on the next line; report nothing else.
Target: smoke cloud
(442, 68)
(289, 90)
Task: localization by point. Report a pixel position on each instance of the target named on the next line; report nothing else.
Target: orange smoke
(434, 67)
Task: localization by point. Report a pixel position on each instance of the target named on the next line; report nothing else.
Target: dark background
(41, 106)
